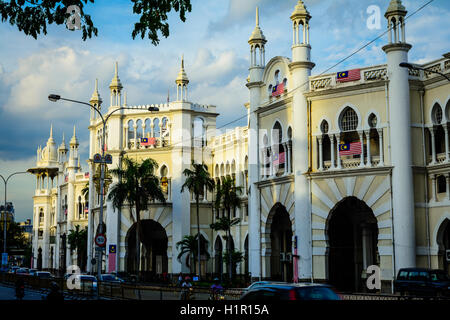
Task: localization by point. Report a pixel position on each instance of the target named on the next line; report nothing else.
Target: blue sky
(214, 43)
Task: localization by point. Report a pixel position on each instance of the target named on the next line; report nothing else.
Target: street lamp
(5, 181)
(102, 161)
(415, 67)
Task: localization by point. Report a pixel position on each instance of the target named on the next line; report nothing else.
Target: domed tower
(257, 44)
(115, 87)
(182, 82)
(400, 137)
(51, 147)
(300, 68)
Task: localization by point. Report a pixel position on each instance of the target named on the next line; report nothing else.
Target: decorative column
(447, 157)
(433, 188)
(433, 145)
(369, 159)
(289, 157)
(361, 138)
(319, 139)
(338, 157)
(135, 136)
(381, 147)
(332, 151)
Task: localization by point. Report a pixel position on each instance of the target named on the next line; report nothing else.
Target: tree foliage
(137, 186)
(77, 240)
(197, 180)
(32, 16)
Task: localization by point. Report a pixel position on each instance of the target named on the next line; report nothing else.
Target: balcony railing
(353, 163)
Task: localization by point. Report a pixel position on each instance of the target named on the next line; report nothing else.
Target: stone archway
(280, 244)
(353, 236)
(443, 241)
(153, 250)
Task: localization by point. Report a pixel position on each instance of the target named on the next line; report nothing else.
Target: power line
(325, 71)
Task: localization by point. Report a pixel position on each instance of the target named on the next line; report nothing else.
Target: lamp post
(5, 181)
(55, 98)
(415, 67)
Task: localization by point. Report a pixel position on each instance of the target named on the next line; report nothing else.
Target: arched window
(349, 120)
(441, 184)
(139, 129)
(130, 130)
(41, 217)
(165, 131)
(437, 114)
(372, 121)
(199, 133)
(277, 77)
(324, 127)
(156, 128)
(80, 207)
(278, 150)
(148, 128)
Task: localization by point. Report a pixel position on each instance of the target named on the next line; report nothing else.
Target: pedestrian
(180, 279)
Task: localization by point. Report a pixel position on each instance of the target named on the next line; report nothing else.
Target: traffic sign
(100, 240)
(112, 248)
(97, 158)
(108, 159)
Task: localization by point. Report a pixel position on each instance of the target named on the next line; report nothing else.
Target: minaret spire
(257, 16)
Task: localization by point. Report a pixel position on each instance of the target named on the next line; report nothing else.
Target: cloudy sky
(214, 43)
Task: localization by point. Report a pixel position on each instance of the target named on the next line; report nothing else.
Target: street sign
(108, 158)
(100, 240)
(112, 248)
(97, 158)
(4, 259)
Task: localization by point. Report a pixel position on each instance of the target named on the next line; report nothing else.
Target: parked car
(13, 269)
(88, 283)
(109, 277)
(291, 291)
(422, 282)
(32, 272)
(262, 283)
(22, 271)
(125, 276)
(43, 275)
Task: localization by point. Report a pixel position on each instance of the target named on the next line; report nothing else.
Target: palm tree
(189, 246)
(137, 185)
(196, 182)
(228, 197)
(77, 240)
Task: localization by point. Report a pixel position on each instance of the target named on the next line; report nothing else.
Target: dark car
(109, 277)
(422, 282)
(43, 275)
(291, 291)
(125, 276)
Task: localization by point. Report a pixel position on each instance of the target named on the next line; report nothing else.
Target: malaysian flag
(278, 90)
(86, 209)
(86, 174)
(148, 141)
(350, 75)
(348, 149)
(279, 158)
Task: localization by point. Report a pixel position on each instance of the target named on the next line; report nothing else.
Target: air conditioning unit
(282, 256)
(447, 255)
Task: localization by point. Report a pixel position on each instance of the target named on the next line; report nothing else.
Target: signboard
(4, 259)
(97, 158)
(108, 159)
(100, 240)
(447, 255)
(112, 248)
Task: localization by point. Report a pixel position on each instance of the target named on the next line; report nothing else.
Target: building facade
(309, 210)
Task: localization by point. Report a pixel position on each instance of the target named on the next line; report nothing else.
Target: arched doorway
(281, 244)
(353, 235)
(153, 250)
(443, 240)
(39, 259)
(218, 262)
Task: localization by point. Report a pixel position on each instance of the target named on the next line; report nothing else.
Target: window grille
(438, 115)
(324, 127)
(349, 120)
(372, 120)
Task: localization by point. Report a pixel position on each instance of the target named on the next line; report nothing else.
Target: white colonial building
(316, 213)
